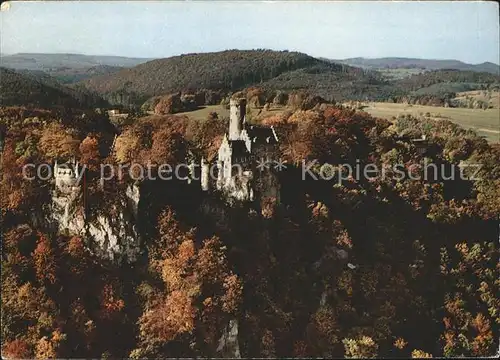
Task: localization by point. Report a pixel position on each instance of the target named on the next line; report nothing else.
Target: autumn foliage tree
(89, 152)
(168, 104)
(44, 261)
(57, 142)
(15, 188)
(206, 135)
(16, 349)
(199, 287)
(126, 146)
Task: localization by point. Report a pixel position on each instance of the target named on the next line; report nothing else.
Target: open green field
(203, 112)
(485, 122)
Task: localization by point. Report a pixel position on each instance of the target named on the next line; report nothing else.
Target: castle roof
(261, 134)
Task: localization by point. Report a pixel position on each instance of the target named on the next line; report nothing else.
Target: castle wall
(248, 142)
(224, 163)
(205, 175)
(66, 177)
(237, 110)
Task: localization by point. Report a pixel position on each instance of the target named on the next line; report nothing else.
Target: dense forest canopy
(365, 267)
(418, 81)
(41, 90)
(398, 265)
(228, 71)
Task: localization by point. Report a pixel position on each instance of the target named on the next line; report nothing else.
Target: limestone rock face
(115, 239)
(228, 342)
(66, 216)
(133, 197)
(111, 234)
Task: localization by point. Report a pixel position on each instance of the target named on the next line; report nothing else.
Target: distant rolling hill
(411, 63)
(334, 83)
(34, 61)
(39, 89)
(69, 68)
(232, 70)
(444, 77)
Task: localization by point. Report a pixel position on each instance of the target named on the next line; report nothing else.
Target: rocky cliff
(110, 234)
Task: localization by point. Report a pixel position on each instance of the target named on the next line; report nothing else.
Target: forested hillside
(232, 70)
(427, 64)
(41, 90)
(228, 71)
(68, 68)
(221, 73)
(72, 76)
(334, 83)
(441, 86)
(419, 81)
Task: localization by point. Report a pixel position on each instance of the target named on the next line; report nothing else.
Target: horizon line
(207, 52)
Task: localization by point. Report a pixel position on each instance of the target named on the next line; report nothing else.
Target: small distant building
(421, 144)
(117, 115)
(113, 112)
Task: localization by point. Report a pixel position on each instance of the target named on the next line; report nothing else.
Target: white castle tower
(237, 110)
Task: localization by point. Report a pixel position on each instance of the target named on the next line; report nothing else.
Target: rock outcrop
(228, 343)
(110, 234)
(133, 197)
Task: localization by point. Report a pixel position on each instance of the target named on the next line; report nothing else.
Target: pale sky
(467, 31)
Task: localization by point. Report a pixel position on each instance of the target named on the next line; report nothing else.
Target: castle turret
(236, 117)
(205, 175)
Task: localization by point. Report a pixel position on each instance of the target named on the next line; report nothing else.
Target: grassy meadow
(492, 98)
(203, 112)
(485, 122)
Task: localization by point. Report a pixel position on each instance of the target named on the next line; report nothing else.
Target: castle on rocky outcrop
(244, 159)
(111, 235)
